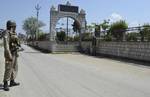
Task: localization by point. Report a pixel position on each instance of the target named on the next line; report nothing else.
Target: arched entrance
(65, 31)
(66, 11)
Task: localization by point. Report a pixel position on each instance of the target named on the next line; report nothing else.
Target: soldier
(11, 44)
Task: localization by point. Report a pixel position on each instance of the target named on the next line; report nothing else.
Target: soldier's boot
(13, 83)
(6, 87)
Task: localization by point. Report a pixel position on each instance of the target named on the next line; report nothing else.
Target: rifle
(20, 49)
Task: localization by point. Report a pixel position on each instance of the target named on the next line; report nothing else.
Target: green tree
(99, 27)
(145, 32)
(117, 30)
(96, 28)
(132, 36)
(30, 25)
(42, 36)
(76, 38)
(105, 25)
(89, 28)
(76, 26)
(61, 36)
(86, 37)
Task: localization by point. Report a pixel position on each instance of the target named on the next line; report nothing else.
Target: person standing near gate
(11, 45)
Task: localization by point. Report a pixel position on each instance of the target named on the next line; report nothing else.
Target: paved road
(76, 75)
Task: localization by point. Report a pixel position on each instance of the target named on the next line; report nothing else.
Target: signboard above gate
(66, 8)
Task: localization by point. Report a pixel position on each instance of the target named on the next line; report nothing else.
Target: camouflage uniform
(11, 54)
(11, 44)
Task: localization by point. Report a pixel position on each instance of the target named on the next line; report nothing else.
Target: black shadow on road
(1, 87)
(39, 50)
(32, 52)
(129, 61)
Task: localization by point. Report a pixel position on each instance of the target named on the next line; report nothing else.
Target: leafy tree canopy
(31, 24)
(117, 29)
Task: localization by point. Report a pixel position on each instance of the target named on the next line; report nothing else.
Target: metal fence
(140, 33)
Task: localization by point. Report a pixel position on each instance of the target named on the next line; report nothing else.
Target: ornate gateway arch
(66, 11)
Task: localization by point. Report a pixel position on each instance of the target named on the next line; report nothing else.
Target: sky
(135, 12)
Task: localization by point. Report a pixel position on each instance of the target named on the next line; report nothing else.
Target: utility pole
(67, 30)
(37, 7)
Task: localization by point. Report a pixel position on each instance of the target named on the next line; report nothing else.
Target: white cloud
(115, 17)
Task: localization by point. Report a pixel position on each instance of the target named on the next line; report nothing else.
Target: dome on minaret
(68, 3)
(53, 8)
(82, 11)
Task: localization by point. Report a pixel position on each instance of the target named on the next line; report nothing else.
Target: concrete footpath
(76, 75)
